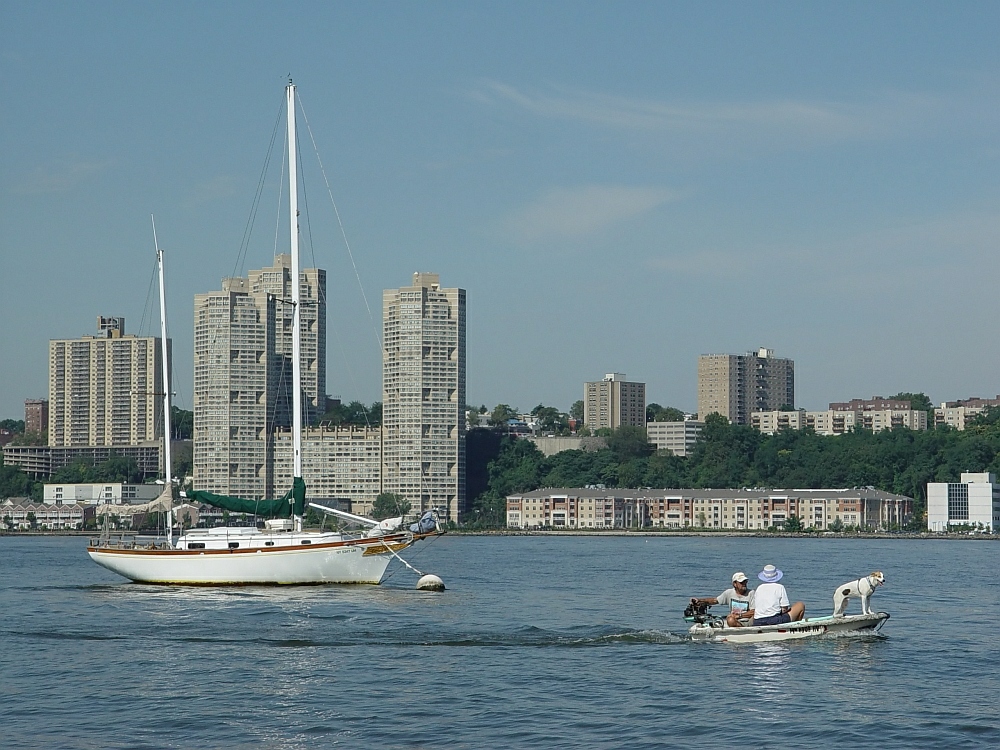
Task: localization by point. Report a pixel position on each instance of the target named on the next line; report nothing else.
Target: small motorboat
(708, 627)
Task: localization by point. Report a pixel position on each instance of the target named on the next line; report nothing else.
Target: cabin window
(306, 541)
(234, 545)
(196, 545)
(268, 544)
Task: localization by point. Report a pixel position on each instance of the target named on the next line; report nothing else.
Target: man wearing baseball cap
(739, 598)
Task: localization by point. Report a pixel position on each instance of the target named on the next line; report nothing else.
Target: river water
(540, 642)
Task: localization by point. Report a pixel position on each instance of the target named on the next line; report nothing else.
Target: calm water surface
(538, 642)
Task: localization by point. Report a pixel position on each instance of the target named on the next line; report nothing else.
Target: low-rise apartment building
(677, 437)
(24, 515)
(957, 413)
(839, 421)
(742, 509)
(115, 493)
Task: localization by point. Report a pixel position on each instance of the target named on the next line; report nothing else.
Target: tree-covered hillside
(728, 456)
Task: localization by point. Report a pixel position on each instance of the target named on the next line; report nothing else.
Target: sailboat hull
(353, 561)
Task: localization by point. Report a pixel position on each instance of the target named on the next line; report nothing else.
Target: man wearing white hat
(772, 606)
(739, 598)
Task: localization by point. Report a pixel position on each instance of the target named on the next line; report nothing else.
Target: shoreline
(646, 533)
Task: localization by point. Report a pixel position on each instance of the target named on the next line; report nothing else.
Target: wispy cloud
(58, 177)
(787, 119)
(217, 188)
(579, 211)
(902, 255)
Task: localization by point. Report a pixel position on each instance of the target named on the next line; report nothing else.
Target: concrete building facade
(36, 415)
(105, 389)
(101, 493)
(677, 437)
(839, 421)
(423, 395)
(341, 466)
(614, 401)
(972, 501)
(736, 385)
(957, 413)
(41, 461)
(746, 509)
(243, 375)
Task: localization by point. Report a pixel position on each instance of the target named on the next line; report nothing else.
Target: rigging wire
(343, 232)
(248, 228)
(312, 251)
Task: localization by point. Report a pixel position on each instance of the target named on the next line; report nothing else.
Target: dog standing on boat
(863, 588)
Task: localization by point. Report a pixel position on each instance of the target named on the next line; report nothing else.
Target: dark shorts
(773, 619)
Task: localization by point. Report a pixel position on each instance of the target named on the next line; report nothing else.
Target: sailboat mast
(166, 380)
(293, 221)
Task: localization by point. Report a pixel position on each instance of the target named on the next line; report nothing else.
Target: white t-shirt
(736, 602)
(771, 597)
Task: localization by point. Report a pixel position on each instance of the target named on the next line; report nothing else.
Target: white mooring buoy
(430, 582)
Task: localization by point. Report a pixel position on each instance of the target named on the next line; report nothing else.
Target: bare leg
(797, 612)
(733, 620)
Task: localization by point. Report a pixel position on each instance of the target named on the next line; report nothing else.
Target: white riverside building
(423, 395)
(975, 499)
(677, 437)
(740, 509)
(100, 493)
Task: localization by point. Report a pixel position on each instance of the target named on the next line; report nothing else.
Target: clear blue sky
(619, 186)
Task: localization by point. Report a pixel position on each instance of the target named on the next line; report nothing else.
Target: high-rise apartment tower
(735, 385)
(105, 389)
(613, 402)
(423, 395)
(243, 375)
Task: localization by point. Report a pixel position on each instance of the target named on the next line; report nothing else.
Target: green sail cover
(293, 502)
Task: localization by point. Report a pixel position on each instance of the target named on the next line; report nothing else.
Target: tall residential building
(36, 415)
(423, 395)
(613, 402)
(105, 389)
(736, 385)
(243, 375)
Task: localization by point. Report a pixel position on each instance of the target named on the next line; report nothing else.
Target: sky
(620, 187)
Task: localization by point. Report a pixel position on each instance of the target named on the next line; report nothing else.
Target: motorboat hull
(362, 560)
(810, 628)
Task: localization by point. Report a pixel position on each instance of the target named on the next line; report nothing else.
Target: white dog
(863, 588)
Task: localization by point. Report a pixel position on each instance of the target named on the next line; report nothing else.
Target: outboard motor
(698, 612)
(427, 523)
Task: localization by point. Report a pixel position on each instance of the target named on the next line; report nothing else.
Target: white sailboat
(281, 552)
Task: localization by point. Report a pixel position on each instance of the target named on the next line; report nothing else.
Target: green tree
(550, 419)
(657, 413)
(576, 411)
(793, 523)
(31, 438)
(389, 505)
(181, 423)
(501, 414)
(14, 425)
(628, 442)
(32, 521)
(354, 413)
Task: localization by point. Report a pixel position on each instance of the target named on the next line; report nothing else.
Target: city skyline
(802, 178)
